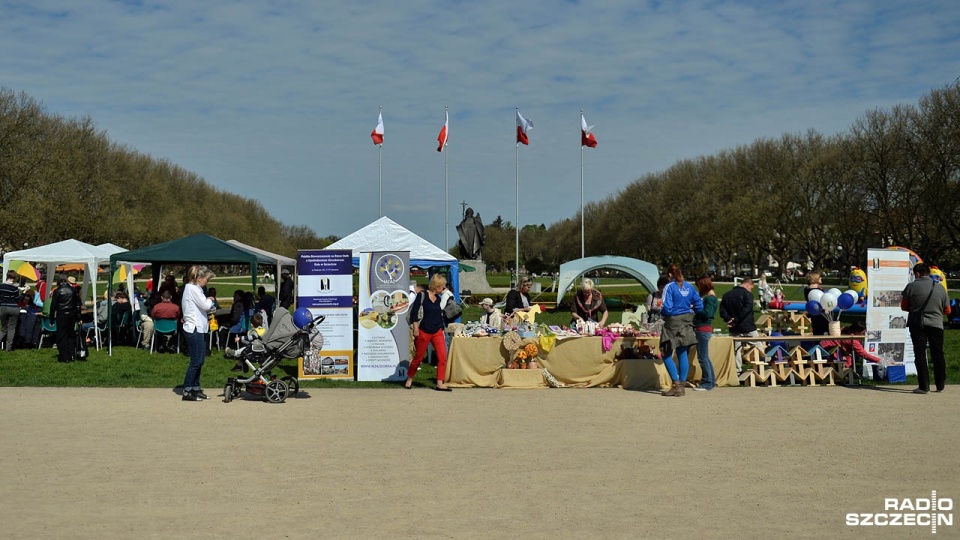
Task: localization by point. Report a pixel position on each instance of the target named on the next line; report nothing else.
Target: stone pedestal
(475, 281)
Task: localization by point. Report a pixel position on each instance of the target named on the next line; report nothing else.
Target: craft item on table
(511, 341)
(547, 338)
(551, 380)
(608, 338)
(527, 330)
(456, 329)
(587, 328)
(617, 328)
(528, 316)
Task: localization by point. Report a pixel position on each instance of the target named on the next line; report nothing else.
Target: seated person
(166, 309)
(240, 315)
(256, 325)
(122, 313)
(849, 348)
(266, 302)
(31, 302)
(518, 299)
(212, 291)
(654, 302)
(588, 305)
(102, 314)
(491, 315)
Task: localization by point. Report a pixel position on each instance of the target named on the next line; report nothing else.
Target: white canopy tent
(646, 273)
(280, 260)
(385, 234)
(65, 252)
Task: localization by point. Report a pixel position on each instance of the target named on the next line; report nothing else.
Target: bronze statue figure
(471, 235)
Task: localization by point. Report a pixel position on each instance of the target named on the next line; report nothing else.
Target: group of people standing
(687, 312)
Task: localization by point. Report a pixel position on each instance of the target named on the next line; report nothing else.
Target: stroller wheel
(293, 386)
(228, 393)
(276, 391)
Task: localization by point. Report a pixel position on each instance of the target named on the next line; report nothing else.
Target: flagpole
(380, 171)
(446, 193)
(517, 240)
(582, 238)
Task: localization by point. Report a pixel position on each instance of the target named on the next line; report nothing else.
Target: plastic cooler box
(896, 374)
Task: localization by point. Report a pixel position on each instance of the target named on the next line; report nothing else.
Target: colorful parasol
(25, 269)
(121, 273)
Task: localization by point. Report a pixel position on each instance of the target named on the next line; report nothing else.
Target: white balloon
(853, 293)
(828, 301)
(815, 295)
(835, 292)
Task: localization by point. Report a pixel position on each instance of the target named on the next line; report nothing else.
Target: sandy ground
(556, 463)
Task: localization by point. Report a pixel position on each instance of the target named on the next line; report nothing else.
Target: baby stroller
(288, 336)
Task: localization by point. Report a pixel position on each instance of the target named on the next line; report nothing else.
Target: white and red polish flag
(586, 134)
(377, 133)
(523, 125)
(442, 137)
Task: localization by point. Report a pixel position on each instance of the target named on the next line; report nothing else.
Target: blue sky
(275, 100)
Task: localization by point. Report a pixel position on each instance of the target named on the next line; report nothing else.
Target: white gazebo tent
(280, 260)
(65, 252)
(385, 234)
(646, 273)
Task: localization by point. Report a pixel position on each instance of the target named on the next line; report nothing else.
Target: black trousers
(66, 336)
(934, 336)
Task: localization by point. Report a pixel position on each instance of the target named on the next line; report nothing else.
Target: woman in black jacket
(428, 327)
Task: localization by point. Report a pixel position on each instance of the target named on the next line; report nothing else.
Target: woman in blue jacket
(680, 301)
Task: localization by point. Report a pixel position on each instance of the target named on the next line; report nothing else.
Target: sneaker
(702, 389)
(189, 396)
(200, 395)
(920, 391)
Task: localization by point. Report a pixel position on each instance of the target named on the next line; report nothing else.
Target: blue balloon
(814, 308)
(845, 301)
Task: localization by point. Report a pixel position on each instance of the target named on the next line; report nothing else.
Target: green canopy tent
(195, 249)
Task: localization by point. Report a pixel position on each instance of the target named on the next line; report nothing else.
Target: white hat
(486, 302)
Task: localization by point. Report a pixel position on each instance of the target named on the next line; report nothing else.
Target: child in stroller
(287, 337)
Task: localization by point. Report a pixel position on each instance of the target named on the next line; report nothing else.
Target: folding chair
(48, 327)
(167, 327)
(97, 330)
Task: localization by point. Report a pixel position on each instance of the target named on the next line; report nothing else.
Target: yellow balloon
(858, 282)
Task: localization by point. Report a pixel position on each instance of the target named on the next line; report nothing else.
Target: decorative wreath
(511, 341)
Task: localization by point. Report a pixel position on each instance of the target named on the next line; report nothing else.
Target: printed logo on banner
(389, 268)
(933, 512)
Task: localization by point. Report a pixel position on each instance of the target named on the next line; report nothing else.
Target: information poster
(325, 287)
(383, 348)
(888, 272)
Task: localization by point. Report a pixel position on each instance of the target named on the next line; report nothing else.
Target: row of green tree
(63, 178)
(890, 180)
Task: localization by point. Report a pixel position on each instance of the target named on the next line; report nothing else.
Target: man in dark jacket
(65, 311)
(286, 290)
(736, 309)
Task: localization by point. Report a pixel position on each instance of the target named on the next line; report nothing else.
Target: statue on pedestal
(471, 236)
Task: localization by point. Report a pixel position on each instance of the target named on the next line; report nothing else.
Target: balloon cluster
(821, 302)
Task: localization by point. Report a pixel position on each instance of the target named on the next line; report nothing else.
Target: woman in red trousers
(428, 328)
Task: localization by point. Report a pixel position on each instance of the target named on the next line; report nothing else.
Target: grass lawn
(136, 368)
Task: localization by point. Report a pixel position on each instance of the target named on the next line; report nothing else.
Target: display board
(383, 345)
(325, 287)
(888, 273)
